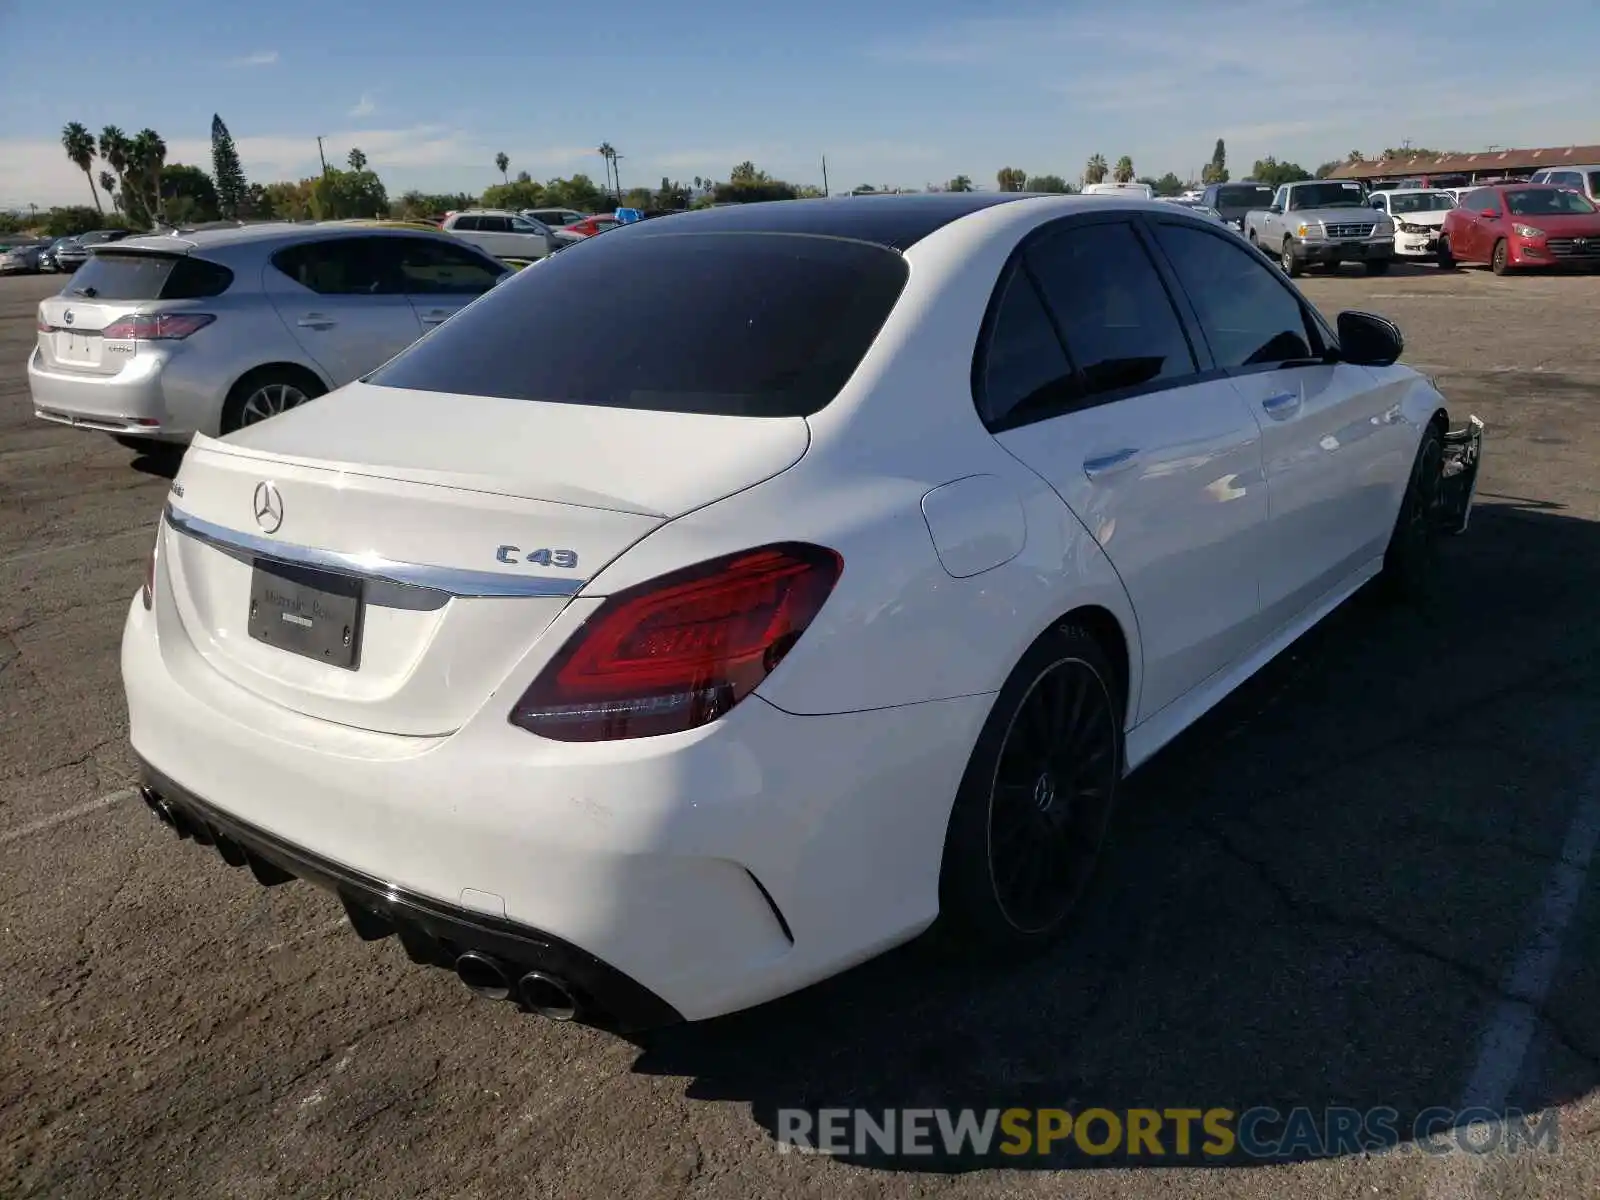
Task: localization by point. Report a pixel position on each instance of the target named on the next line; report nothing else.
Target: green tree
(340, 195)
(502, 162)
(1011, 179)
(72, 219)
(1124, 170)
(225, 169)
(188, 194)
(514, 195)
(1271, 172)
(356, 160)
(1095, 170)
(1049, 183)
(579, 192)
(108, 184)
(1168, 185)
(961, 183)
(1328, 168)
(286, 201)
(147, 154)
(78, 142)
(1216, 171)
(671, 195)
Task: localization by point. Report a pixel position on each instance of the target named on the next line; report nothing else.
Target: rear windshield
(1244, 197)
(733, 324)
(1326, 195)
(109, 275)
(1415, 202)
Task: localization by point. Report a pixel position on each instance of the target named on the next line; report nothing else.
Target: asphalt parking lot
(1362, 882)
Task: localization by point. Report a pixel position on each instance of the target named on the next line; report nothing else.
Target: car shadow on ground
(160, 461)
(1310, 898)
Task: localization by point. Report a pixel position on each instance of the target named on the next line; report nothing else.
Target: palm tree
(108, 183)
(79, 145)
(357, 161)
(608, 152)
(1124, 171)
(502, 161)
(1095, 172)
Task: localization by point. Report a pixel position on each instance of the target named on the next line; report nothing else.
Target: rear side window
(1024, 372)
(340, 267)
(466, 223)
(735, 324)
(1113, 309)
(109, 275)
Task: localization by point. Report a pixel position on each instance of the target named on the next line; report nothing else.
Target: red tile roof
(1457, 164)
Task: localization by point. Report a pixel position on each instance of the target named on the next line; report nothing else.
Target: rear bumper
(131, 402)
(432, 933)
(717, 868)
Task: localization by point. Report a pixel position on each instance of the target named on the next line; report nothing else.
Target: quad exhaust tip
(547, 996)
(483, 975)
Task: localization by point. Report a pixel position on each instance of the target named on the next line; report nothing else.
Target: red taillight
(156, 327)
(679, 651)
(40, 323)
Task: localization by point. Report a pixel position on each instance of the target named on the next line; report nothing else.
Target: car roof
(895, 221)
(271, 231)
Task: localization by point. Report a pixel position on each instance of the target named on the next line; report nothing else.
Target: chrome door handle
(1104, 464)
(1285, 404)
(435, 317)
(316, 321)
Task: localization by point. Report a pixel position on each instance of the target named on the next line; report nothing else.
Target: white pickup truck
(1323, 221)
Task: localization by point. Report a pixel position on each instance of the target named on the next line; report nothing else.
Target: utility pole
(321, 155)
(825, 191)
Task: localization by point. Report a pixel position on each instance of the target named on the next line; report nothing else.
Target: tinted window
(465, 223)
(1552, 203)
(339, 267)
(1247, 316)
(112, 276)
(1120, 327)
(436, 268)
(1481, 200)
(1244, 195)
(1023, 368)
(742, 324)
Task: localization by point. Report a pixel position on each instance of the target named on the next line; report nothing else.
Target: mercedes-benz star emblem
(67, 316)
(268, 506)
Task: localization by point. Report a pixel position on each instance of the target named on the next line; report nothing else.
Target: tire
(1035, 800)
(1500, 258)
(1447, 260)
(1378, 266)
(1251, 238)
(1292, 266)
(1410, 561)
(269, 388)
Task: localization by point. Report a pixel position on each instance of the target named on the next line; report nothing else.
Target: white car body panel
(1228, 534)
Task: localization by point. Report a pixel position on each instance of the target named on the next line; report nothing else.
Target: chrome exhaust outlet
(547, 996)
(483, 975)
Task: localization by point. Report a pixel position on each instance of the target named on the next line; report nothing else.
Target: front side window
(1112, 308)
(339, 267)
(743, 324)
(523, 225)
(1248, 317)
(429, 267)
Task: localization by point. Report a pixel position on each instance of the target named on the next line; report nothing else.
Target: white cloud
(364, 107)
(261, 58)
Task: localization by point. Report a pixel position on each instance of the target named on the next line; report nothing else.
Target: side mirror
(1490, 213)
(1368, 340)
(1274, 208)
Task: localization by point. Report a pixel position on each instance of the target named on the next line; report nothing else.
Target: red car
(1522, 225)
(590, 226)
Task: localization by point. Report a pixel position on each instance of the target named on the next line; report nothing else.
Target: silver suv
(1585, 180)
(158, 338)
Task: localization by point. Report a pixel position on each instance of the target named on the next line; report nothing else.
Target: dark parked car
(1233, 200)
(76, 252)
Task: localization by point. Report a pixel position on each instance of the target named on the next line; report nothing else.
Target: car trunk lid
(382, 558)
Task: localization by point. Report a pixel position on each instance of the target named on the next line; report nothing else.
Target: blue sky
(893, 91)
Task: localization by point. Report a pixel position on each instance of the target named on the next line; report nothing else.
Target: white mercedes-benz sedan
(746, 591)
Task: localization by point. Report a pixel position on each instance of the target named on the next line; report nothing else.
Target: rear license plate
(75, 347)
(315, 614)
